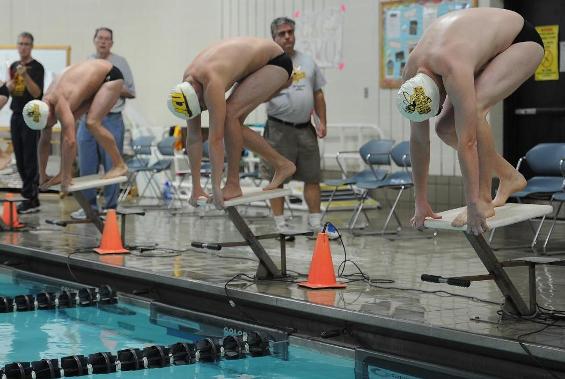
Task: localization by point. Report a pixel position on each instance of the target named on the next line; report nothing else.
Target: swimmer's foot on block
(90, 181)
(508, 214)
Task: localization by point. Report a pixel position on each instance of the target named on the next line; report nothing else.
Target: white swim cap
(418, 98)
(35, 114)
(183, 101)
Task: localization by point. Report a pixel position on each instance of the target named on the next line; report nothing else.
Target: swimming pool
(137, 323)
(51, 334)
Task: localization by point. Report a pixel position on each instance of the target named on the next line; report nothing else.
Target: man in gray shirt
(90, 154)
(289, 129)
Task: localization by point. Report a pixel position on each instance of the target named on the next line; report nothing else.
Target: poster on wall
(320, 34)
(549, 68)
(402, 24)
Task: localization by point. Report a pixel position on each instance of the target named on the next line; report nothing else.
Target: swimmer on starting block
(257, 69)
(90, 87)
(467, 60)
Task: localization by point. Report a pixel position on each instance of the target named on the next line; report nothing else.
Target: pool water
(49, 334)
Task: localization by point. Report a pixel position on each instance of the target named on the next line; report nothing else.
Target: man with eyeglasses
(90, 153)
(25, 84)
(289, 129)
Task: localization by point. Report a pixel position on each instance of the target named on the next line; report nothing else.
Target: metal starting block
(80, 184)
(506, 215)
(267, 268)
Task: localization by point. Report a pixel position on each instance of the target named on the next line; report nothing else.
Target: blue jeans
(91, 155)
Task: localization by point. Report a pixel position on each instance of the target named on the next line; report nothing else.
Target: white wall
(159, 39)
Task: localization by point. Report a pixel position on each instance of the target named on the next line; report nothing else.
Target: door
(535, 113)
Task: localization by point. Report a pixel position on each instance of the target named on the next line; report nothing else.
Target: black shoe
(28, 206)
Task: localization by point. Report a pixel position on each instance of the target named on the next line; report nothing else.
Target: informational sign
(549, 66)
(402, 24)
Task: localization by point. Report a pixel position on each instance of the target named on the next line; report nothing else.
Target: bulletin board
(402, 23)
(54, 59)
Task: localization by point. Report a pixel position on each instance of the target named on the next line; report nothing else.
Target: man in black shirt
(25, 84)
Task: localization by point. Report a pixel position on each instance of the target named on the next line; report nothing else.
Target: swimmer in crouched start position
(466, 62)
(90, 87)
(257, 69)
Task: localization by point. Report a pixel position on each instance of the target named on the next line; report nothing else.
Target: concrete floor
(439, 307)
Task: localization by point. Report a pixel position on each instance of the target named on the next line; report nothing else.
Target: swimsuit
(283, 61)
(114, 74)
(527, 34)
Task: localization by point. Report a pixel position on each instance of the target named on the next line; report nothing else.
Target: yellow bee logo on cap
(34, 113)
(418, 101)
(179, 103)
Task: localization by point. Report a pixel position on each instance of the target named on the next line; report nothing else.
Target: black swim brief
(114, 74)
(4, 90)
(528, 33)
(283, 61)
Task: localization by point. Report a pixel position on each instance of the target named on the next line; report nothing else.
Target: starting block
(267, 268)
(80, 184)
(506, 215)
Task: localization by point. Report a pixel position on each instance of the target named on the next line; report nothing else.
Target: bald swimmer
(257, 68)
(90, 87)
(466, 62)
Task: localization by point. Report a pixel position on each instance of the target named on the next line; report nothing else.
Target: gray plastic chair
(141, 147)
(376, 156)
(165, 147)
(545, 161)
(398, 180)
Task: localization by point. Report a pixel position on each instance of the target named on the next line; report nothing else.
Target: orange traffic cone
(322, 274)
(111, 242)
(10, 215)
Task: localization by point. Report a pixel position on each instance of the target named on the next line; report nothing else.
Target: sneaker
(28, 206)
(78, 215)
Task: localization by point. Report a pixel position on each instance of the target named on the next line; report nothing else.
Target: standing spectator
(5, 157)
(25, 84)
(90, 154)
(289, 129)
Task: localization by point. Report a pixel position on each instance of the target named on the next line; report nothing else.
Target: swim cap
(418, 98)
(183, 101)
(35, 114)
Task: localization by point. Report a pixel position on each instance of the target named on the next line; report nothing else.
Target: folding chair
(165, 147)
(141, 147)
(544, 160)
(398, 181)
(558, 197)
(375, 154)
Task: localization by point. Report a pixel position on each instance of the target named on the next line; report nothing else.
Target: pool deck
(403, 318)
